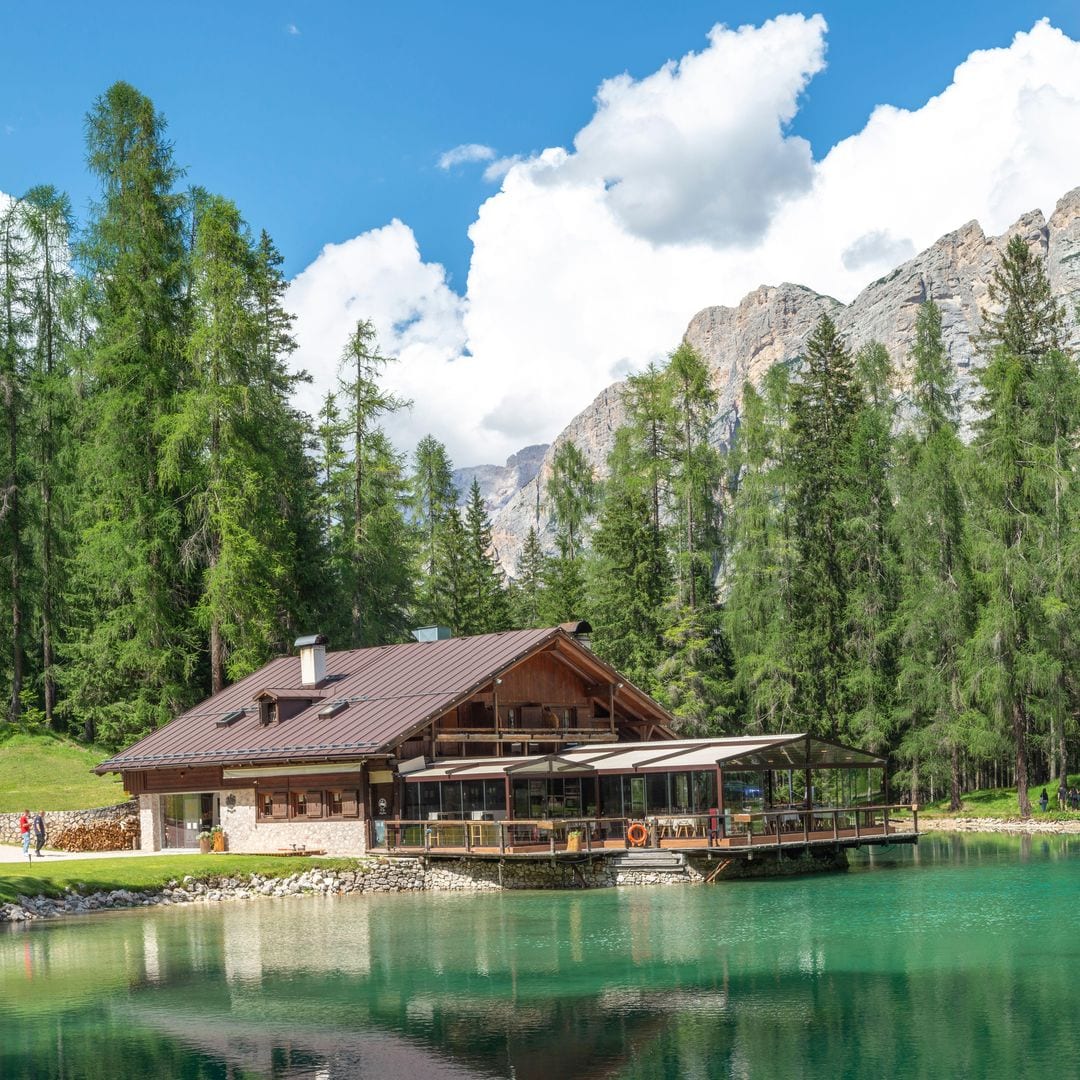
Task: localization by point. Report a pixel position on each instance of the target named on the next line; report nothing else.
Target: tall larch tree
(130, 653)
(433, 502)
(934, 617)
(825, 405)
(487, 608)
(1012, 664)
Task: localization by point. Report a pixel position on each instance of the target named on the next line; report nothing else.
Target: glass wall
(455, 799)
(658, 793)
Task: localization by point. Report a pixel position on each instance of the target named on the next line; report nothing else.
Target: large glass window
(744, 791)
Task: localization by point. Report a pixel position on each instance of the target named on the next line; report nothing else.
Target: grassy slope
(45, 878)
(40, 772)
(1002, 803)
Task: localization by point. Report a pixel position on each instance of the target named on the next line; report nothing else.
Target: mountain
(499, 483)
(771, 325)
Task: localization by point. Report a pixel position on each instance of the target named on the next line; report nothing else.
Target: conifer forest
(858, 565)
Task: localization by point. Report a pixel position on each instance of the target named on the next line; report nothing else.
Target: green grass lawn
(45, 878)
(44, 772)
(1002, 803)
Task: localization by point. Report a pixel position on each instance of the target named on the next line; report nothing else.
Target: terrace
(735, 795)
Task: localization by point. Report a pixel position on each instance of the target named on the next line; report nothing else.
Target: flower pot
(204, 845)
(219, 841)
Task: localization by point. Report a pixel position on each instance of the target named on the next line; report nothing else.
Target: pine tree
(54, 313)
(629, 574)
(526, 588)
(434, 500)
(129, 655)
(486, 606)
(871, 556)
(825, 405)
(759, 607)
(366, 400)
(14, 343)
(934, 618)
(571, 495)
(1009, 664)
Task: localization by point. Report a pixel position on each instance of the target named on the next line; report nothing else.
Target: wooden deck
(740, 834)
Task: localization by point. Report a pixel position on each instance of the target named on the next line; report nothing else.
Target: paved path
(12, 853)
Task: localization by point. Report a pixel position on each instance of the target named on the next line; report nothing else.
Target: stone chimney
(312, 659)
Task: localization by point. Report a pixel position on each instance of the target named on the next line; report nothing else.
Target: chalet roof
(752, 753)
(389, 692)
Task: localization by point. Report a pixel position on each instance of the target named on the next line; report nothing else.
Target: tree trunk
(954, 777)
(1019, 723)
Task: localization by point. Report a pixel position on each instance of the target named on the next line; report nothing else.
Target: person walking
(39, 832)
(1044, 802)
(24, 831)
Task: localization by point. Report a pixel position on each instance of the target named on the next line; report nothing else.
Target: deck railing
(781, 825)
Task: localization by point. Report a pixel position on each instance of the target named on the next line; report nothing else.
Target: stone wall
(243, 832)
(81, 823)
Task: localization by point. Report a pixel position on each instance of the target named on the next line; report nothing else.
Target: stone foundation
(392, 875)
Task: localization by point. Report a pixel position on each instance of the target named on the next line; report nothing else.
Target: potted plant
(573, 840)
(217, 838)
(205, 840)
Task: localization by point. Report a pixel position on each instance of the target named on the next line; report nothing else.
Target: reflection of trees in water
(865, 974)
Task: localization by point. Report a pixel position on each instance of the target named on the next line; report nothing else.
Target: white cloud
(292, 30)
(465, 154)
(683, 190)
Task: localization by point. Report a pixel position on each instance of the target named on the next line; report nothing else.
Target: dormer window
(268, 711)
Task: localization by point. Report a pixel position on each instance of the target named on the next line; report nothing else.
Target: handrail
(711, 826)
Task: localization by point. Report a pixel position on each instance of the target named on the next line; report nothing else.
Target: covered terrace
(728, 793)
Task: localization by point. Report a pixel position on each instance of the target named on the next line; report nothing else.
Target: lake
(958, 958)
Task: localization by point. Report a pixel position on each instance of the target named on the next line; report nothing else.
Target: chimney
(312, 658)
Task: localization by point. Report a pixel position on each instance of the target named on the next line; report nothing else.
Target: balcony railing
(777, 827)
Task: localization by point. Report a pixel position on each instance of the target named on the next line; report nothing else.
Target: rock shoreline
(1016, 826)
(397, 875)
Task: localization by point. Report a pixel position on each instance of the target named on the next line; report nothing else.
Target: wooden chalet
(518, 743)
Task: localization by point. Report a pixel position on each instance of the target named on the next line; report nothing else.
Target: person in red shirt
(24, 831)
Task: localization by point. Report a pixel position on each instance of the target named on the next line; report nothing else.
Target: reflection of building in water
(313, 934)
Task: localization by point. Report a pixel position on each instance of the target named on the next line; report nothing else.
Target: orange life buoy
(637, 834)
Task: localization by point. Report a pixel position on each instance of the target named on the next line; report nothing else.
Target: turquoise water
(960, 958)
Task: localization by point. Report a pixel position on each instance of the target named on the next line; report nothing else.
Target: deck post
(502, 838)
(835, 825)
(885, 821)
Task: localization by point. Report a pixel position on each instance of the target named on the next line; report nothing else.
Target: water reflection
(954, 959)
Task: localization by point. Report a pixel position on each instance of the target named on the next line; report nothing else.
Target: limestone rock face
(771, 326)
(499, 483)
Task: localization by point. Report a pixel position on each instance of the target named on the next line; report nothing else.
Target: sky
(531, 201)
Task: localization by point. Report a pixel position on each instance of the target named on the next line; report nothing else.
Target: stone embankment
(998, 825)
(395, 875)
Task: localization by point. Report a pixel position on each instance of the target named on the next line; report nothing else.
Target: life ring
(637, 834)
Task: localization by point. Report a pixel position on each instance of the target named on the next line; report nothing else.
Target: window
(333, 804)
(299, 804)
(268, 711)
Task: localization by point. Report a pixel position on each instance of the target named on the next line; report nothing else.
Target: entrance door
(186, 816)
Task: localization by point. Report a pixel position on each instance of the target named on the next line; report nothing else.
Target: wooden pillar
(498, 725)
(509, 794)
(611, 710)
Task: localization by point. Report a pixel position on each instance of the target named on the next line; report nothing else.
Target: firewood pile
(97, 836)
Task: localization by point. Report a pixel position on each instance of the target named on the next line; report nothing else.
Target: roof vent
(580, 630)
(332, 709)
(432, 633)
(230, 717)
(312, 658)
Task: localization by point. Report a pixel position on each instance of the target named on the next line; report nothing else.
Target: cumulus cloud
(684, 190)
(465, 154)
(876, 247)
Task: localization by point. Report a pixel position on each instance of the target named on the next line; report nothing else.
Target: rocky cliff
(500, 483)
(771, 325)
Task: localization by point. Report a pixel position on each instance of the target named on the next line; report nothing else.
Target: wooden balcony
(783, 829)
(525, 734)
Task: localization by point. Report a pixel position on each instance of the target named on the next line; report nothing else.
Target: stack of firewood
(99, 836)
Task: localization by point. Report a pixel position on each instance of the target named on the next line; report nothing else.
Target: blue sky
(686, 186)
(321, 134)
